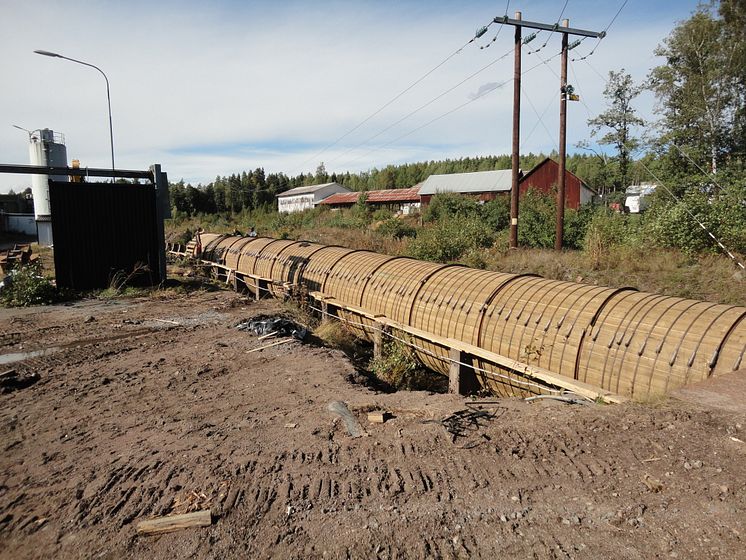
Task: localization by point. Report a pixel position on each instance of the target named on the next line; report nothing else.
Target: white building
(304, 198)
(636, 200)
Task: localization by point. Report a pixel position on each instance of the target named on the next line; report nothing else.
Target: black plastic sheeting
(278, 325)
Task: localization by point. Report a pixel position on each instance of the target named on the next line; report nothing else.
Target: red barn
(543, 177)
(404, 200)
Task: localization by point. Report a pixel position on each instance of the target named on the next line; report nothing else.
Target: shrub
(396, 228)
(536, 226)
(382, 214)
(27, 286)
(496, 213)
(674, 224)
(399, 368)
(450, 205)
(605, 230)
(447, 240)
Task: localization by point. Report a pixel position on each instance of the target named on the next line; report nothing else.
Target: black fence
(106, 232)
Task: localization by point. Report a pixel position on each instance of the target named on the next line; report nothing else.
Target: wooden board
(175, 522)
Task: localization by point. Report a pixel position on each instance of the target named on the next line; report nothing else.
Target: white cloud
(215, 88)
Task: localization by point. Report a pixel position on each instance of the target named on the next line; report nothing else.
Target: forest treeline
(695, 151)
(256, 190)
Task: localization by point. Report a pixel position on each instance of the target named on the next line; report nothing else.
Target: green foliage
(450, 205)
(576, 225)
(396, 228)
(381, 214)
(449, 239)
(607, 230)
(496, 213)
(396, 364)
(701, 88)
(536, 226)
(617, 122)
(399, 369)
(675, 224)
(27, 287)
(355, 218)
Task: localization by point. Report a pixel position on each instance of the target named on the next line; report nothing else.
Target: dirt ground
(150, 407)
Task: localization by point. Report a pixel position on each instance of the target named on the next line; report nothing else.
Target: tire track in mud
(116, 435)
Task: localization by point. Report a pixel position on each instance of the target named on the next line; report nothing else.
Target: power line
(669, 191)
(540, 118)
(709, 175)
(593, 50)
(472, 100)
(385, 105)
(580, 93)
(418, 109)
(556, 27)
(488, 45)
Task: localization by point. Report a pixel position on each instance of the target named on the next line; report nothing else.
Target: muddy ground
(151, 407)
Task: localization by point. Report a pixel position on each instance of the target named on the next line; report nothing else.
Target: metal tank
(46, 148)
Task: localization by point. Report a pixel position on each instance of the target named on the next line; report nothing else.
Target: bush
(396, 228)
(448, 240)
(496, 213)
(673, 224)
(382, 214)
(26, 286)
(399, 369)
(605, 230)
(450, 205)
(536, 225)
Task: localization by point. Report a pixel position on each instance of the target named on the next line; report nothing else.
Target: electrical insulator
(480, 32)
(529, 38)
(574, 44)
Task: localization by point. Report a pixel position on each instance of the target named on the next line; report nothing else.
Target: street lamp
(108, 97)
(26, 130)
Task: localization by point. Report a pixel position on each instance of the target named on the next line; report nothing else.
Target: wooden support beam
(327, 311)
(522, 369)
(462, 379)
(379, 337)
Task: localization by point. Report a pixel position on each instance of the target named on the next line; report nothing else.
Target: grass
(335, 335)
(399, 369)
(708, 277)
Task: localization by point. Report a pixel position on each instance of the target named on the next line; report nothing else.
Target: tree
(619, 119)
(701, 88)
(321, 176)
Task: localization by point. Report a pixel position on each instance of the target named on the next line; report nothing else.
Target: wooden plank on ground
(285, 341)
(175, 522)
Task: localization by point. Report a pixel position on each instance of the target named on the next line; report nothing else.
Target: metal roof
(479, 181)
(310, 189)
(641, 189)
(388, 195)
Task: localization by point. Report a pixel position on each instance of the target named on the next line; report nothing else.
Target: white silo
(46, 148)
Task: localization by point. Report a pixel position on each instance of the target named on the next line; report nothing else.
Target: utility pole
(560, 225)
(566, 31)
(515, 160)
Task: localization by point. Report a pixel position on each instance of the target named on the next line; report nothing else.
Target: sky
(214, 88)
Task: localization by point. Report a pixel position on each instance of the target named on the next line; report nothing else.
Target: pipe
(618, 340)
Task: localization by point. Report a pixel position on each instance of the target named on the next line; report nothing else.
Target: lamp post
(108, 97)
